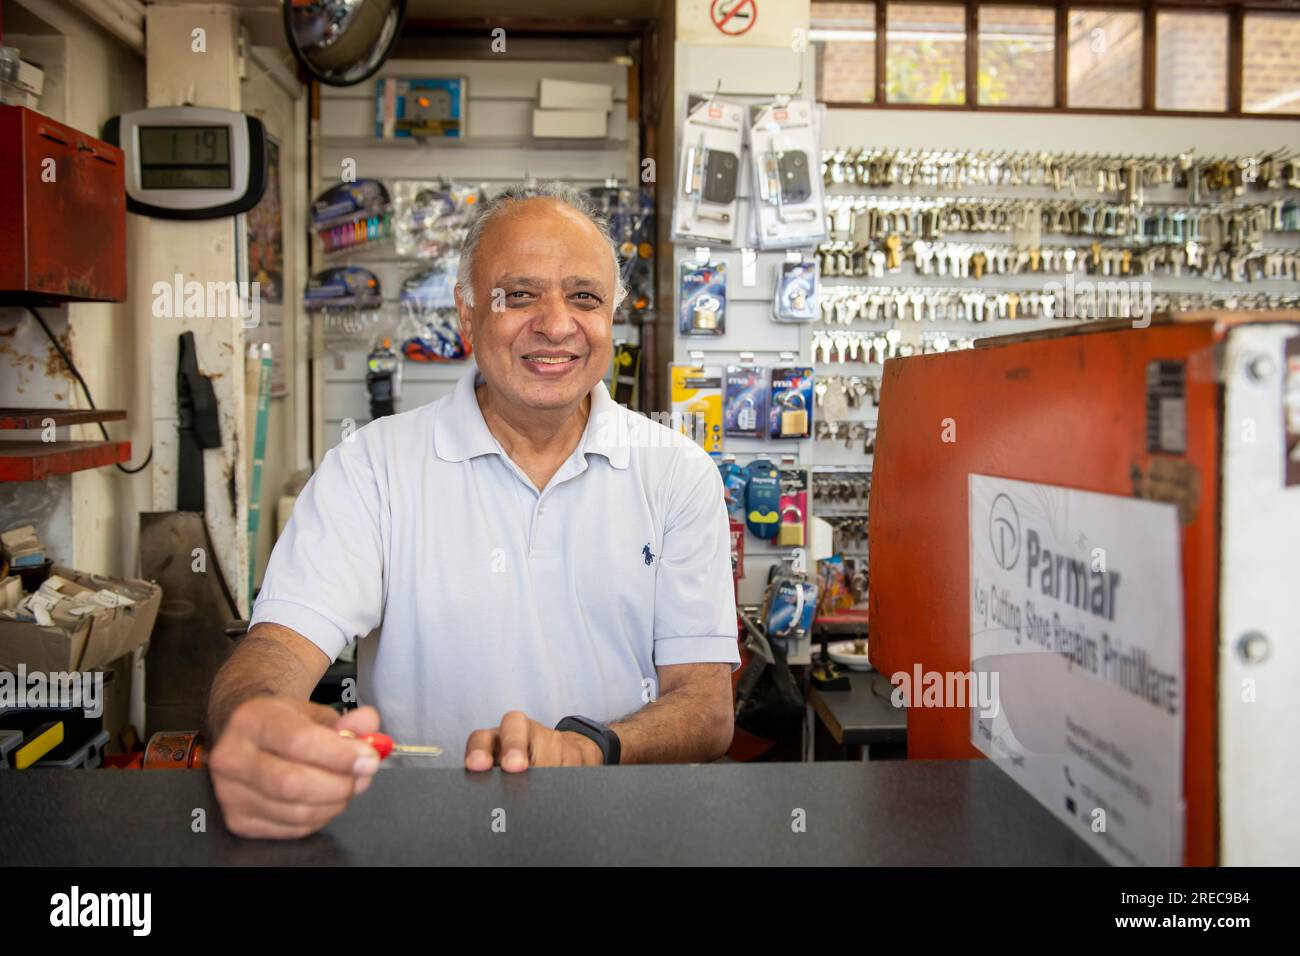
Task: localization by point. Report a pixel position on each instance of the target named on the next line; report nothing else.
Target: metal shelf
(35, 460)
(16, 418)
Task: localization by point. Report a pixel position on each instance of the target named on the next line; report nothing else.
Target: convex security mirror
(342, 42)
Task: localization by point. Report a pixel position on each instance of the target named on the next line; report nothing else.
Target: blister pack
(785, 155)
(705, 204)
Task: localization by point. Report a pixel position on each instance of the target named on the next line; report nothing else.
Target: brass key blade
(416, 750)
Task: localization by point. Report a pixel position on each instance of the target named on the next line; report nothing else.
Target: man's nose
(553, 319)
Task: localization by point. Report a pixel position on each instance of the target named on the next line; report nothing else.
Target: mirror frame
(298, 55)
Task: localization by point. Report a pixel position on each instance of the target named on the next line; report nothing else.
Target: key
(919, 302)
(900, 305)
(841, 347)
(858, 389)
(854, 308)
(824, 347)
(879, 344)
(892, 337)
(893, 261)
(827, 307)
(873, 308)
(923, 256)
(842, 315)
(384, 745)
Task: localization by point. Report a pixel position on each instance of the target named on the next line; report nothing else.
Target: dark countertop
(864, 714)
(860, 814)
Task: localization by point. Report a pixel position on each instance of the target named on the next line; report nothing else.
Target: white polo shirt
(491, 596)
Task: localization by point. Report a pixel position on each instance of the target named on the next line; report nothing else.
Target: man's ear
(466, 316)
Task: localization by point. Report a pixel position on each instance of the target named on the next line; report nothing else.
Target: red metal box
(1093, 410)
(62, 212)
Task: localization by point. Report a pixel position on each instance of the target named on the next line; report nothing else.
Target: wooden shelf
(34, 460)
(475, 142)
(14, 418)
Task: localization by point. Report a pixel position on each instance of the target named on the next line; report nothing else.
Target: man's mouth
(550, 363)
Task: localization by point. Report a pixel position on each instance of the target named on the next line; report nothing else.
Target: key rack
(958, 169)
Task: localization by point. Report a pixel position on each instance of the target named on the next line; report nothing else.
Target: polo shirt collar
(460, 433)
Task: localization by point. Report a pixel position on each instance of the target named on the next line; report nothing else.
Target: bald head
(568, 201)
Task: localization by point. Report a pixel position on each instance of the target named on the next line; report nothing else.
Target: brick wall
(1272, 55)
(1017, 58)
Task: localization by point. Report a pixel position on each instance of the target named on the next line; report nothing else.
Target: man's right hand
(281, 770)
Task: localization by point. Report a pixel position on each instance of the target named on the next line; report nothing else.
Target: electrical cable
(67, 360)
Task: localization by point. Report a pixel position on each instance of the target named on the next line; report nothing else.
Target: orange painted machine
(1199, 411)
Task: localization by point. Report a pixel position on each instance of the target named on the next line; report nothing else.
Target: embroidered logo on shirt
(648, 555)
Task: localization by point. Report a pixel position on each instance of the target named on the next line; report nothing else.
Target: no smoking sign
(733, 17)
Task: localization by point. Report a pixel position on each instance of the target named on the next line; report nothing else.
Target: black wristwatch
(605, 739)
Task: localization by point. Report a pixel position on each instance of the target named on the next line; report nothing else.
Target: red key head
(382, 743)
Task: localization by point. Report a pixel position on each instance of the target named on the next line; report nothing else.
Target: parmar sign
(771, 23)
(1077, 610)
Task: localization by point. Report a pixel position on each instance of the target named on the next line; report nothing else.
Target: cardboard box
(570, 124)
(89, 642)
(31, 78)
(568, 95)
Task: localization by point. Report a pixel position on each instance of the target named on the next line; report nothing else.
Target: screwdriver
(384, 746)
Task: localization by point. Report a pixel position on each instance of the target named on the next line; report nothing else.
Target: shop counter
(845, 814)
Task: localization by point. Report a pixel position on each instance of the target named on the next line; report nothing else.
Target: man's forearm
(688, 724)
(260, 666)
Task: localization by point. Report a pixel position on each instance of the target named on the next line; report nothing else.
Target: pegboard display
(928, 250)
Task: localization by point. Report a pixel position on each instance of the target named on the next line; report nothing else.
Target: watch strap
(611, 747)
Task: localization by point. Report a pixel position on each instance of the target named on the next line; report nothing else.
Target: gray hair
(559, 192)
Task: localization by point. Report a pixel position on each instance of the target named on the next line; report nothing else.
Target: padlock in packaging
(791, 533)
(794, 416)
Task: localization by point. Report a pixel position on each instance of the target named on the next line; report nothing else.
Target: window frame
(1236, 12)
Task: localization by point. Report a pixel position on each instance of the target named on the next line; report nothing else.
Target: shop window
(1017, 56)
(1271, 58)
(925, 53)
(844, 40)
(1105, 59)
(1191, 60)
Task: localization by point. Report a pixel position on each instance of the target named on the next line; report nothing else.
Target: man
(530, 551)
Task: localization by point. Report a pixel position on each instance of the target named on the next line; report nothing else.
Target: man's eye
(590, 296)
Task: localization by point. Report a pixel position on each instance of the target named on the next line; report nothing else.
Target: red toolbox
(62, 212)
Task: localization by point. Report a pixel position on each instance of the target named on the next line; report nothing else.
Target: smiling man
(547, 592)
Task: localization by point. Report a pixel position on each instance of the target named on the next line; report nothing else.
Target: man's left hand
(521, 742)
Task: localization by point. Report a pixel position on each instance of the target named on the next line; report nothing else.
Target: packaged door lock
(705, 203)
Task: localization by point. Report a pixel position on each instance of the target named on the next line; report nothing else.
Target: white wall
(287, 421)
